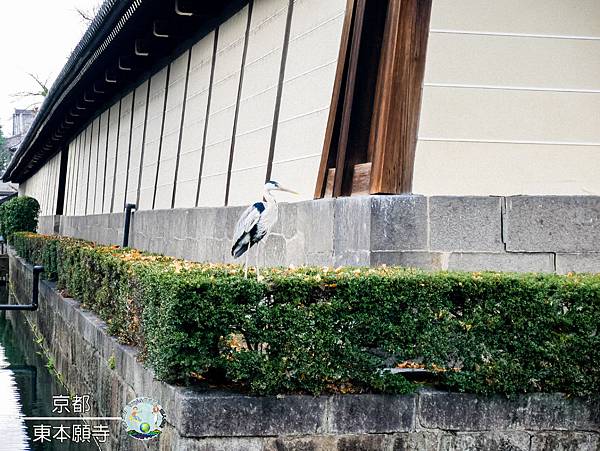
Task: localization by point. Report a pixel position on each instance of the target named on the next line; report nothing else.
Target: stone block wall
(92, 362)
(521, 233)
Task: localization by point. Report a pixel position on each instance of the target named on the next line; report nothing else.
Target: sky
(36, 36)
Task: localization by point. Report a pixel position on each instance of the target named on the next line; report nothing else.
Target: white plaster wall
(257, 103)
(78, 185)
(94, 166)
(68, 181)
(170, 136)
(70, 177)
(72, 163)
(91, 194)
(85, 174)
(310, 73)
(228, 65)
(511, 99)
(152, 143)
(111, 156)
(194, 121)
(102, 148)
(137, 138)
(53, 184)
(145, 162)
(118, 202)
(43, 186)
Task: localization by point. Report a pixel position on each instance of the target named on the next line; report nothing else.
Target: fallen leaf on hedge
(410, 364)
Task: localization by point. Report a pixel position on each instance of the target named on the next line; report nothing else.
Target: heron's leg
(257, 257)
(246, 265)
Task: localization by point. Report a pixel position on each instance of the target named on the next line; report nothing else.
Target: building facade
(176, 105)
(203, 128)
(22, 120)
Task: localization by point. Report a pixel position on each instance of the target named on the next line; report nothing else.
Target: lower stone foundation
(92, 362)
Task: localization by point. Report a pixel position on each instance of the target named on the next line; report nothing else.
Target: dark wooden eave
(127, 42)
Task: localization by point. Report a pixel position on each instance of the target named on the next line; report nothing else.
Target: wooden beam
(157, 33)
(138, 49)
(329, 185)
(333, 109)
(398, 96)
(361, 177)
(107, 78)
(349, 94)
(123, 66)
(96, 90)
(179, 9)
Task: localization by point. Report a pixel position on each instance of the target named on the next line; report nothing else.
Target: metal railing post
(35, 293)
(128, 209)
(35, 289)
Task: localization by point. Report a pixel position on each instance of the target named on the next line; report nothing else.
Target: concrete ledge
(466, 224)
(398, 223)
(416, 259)
(536, 412)
(566, 263)
(216, 420)
(552, 223)
(234, 415)
(520, 233)
(505, 261)
(372, 414)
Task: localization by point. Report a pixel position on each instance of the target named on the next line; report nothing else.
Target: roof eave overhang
(127, 42)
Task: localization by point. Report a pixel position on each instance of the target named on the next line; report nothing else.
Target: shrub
(20, 214)
(320, 330)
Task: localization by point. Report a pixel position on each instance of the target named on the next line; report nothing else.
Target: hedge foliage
(19, 214)
(321, 330)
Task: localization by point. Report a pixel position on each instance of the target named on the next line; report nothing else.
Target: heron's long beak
(287, 190)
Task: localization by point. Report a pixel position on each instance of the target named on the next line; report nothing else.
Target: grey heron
(255, 223)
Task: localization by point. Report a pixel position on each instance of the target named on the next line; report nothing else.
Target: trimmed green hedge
(19, 214)
(320, 330)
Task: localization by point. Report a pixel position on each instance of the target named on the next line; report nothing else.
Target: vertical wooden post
(395, 121)
(348, 100)
(327, 156)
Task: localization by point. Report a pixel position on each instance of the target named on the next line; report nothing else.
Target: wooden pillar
(329, 154)
(395, 120)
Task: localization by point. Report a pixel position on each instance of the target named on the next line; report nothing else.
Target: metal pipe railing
(35, 293)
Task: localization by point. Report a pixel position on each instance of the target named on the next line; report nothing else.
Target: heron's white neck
(269, 198)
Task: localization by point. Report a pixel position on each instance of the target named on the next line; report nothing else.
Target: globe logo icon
(143, 418)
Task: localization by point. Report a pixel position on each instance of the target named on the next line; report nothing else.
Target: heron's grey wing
(242, 233)
(247, 220)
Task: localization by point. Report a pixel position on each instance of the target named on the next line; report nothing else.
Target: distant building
(7, 191)
(22, 121)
